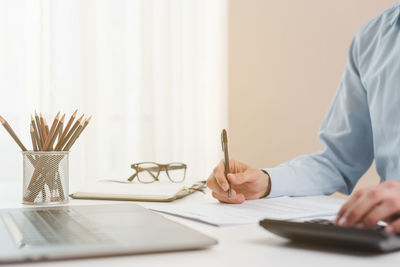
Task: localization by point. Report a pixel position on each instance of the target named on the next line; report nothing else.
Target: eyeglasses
(148, 172)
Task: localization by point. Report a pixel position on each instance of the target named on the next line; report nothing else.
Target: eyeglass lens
(176, 172)
(148, 172)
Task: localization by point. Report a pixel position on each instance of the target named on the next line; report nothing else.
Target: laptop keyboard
(61, 226)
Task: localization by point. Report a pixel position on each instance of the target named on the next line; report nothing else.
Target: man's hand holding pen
(246, 182)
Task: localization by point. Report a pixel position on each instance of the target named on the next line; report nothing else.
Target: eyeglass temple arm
(155, 177)
(130, 179)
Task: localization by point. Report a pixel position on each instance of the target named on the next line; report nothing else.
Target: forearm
(306, 175)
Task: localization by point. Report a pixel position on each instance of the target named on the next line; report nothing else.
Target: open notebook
(159, 191)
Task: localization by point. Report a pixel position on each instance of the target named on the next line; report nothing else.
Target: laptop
(49, 233)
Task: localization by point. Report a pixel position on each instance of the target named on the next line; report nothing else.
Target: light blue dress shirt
(363, 121)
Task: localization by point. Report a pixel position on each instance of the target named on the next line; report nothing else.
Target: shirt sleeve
(346, 134)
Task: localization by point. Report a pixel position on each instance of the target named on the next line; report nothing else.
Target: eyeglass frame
(160, 167)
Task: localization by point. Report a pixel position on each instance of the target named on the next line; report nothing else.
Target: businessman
(362, 124)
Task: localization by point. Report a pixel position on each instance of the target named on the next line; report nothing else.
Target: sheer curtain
(151, 72)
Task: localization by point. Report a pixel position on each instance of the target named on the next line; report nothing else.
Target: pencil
(52, 132)
(79, 134)
(46, 126)
(71, 120)
(35, 134)
(68, 146)
(60, 130)
(56, 131)
(39, 130)
(12, 133)
(16, 139)
(44, 134)
(34, 145)
(74, 137)
(60, 146)
(86, 124)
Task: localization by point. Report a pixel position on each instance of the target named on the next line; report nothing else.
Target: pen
(224, 143)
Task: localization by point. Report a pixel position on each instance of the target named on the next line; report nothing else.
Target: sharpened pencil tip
(58, 116)
(80, 119)
(32, 129)
(62, 118)
(88, 119)
(74, 115)
(2, 120)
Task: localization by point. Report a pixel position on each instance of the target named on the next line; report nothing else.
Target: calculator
(321, 231)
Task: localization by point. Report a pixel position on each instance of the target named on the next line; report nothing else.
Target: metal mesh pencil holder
(45, 177)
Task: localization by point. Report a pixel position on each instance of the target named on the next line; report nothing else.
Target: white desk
(241, 246)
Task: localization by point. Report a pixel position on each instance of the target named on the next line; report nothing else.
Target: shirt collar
(396, 14)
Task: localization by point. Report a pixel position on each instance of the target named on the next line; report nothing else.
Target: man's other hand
(368, 206)
(246, 182)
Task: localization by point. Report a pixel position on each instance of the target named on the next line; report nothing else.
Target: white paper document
(252, 211)
(112, 190)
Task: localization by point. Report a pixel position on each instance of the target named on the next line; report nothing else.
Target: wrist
(268, 189)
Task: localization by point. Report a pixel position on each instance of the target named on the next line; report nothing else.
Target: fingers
(219, 175)
(219, 184)
(369, 206)
(386, 209)
(221, 195)
(340, 218)
(363, 206)
(346, 206)
(249, 175)
(214, 186)
(393, 228)
(219, 172)
(238, 178)
(236, 166)
(234, 199)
